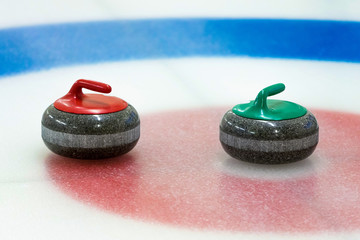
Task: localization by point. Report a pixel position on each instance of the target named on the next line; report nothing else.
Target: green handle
(263, 109)
(261, 99)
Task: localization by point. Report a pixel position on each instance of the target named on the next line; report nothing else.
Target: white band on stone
(90, 141)
(269, 145)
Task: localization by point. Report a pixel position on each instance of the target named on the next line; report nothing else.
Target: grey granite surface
(269, 142)
(90, 136)
(98, 124)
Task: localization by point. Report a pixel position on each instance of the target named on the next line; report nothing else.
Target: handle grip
(261, 99)
(76, 89)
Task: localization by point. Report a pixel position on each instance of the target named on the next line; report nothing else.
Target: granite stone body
(88, 136)
(269, 142)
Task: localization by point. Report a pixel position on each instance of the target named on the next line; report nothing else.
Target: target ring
(178, 175)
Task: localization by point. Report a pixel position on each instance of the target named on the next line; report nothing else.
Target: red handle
(76, 89)
(77, 102)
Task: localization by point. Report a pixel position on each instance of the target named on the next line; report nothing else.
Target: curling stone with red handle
(90, 126)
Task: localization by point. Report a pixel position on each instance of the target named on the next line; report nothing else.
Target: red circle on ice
(179, 174)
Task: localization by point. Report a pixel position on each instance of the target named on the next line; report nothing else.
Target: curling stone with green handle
(269, 131)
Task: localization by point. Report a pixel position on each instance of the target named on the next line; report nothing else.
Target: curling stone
(269, 131)
(90, 126)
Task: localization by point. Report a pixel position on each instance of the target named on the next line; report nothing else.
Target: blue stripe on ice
(40, 47)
